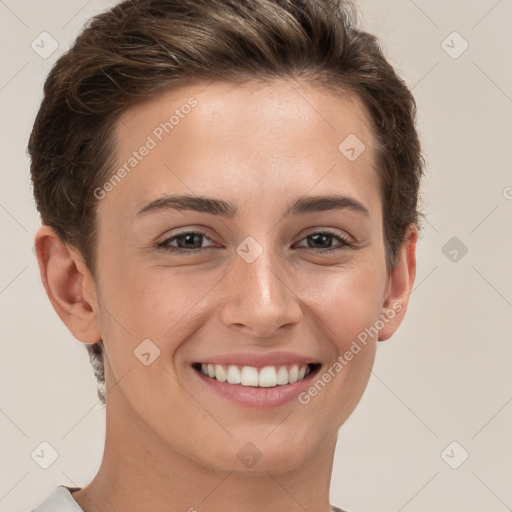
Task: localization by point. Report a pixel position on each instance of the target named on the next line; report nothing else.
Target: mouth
(257, 377)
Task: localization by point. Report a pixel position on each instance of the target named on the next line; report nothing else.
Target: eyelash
(164, 245)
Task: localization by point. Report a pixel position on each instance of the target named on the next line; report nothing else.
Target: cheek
(345, 306)
(164, 305)
(345, 302)
(142, 293)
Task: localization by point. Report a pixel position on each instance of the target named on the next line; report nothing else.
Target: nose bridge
(258, 295)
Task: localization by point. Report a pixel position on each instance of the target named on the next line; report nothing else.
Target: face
(275, 260)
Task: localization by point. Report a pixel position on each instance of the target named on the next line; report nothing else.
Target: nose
(259, 299)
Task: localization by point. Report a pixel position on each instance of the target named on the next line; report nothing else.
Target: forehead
(243, 140)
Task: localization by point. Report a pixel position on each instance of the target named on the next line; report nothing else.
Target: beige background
(444, 377)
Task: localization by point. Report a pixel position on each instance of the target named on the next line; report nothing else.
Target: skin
(171, 445)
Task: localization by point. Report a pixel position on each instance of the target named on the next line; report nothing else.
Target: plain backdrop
(440, 390)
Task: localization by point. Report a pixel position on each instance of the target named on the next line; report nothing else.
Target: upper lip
(259, 360)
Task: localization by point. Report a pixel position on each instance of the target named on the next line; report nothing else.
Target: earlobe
(68, 284)
(401, 281)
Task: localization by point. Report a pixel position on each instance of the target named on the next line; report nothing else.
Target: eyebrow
(300, 206)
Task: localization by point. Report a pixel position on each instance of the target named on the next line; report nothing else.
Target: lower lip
(256, 396)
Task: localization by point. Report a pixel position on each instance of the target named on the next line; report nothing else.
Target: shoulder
(60, 500)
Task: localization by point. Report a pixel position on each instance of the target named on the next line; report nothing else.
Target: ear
(68, 284)
(399, 285)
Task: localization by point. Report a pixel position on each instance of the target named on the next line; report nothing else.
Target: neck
(153, 475)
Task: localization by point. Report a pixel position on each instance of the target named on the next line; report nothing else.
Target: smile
(250, 376)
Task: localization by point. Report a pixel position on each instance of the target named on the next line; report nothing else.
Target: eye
(322, 241)
(187, 241)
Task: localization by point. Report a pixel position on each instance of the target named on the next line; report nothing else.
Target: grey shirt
(60, 500)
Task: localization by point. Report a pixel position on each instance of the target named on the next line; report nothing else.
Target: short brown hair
(142, 47)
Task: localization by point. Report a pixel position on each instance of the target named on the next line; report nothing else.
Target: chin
(261, 455)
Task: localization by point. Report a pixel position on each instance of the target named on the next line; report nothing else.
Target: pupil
(321, 236)
(318, 239)
(189, 238)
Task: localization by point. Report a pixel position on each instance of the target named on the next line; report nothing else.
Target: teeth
(282, 376)
(293, 374)
(220, 374)
(248, 376)
(233, 375)
(266, 377)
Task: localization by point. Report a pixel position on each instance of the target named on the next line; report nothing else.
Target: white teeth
(282, 376)
(266, 377)
(233, 374)
(293, 374)
(249, 376)
(220, 374)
